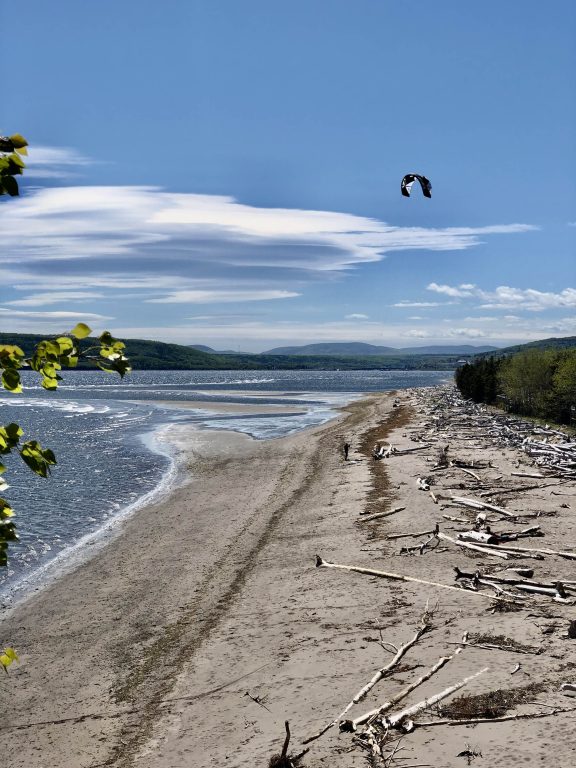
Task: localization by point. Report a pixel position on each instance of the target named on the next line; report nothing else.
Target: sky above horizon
(227, 172)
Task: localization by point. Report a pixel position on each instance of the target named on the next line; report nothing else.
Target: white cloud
(258, 335)
(72, 223)
(356, 316)
(52, 315)
(468, 333)
(54, 162)
(455, 291)
(216, 296)
(417, 333)
(56, 297)
(507, 297)
(420, 304)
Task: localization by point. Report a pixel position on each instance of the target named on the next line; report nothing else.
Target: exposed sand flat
(220, 407)
(145, 654)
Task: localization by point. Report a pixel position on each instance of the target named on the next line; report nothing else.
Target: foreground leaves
(7, 657)
(48, 359)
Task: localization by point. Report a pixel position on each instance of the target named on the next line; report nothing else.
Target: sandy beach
(190, 639)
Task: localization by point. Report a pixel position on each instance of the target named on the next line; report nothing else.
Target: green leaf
(6, 144)
(14, 432)
(5, 509)
(8, 657)
(36, 458)
(18, 141)
(65, 343)
(81, 331)
(11, 380)
(10, 350)
(10, 185)
(17, 161)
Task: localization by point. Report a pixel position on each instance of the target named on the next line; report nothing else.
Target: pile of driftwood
(553, 450)
(493, 531)
(380, 729)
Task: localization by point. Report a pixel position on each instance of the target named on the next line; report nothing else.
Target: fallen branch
(424, 627)
(503, 719)
(409, 535)
(380, 514)
(282, 760)
(565, 555)
(411, 450)
(398, 720)
(477, 547)
(320, 563)
(369, 717)
(468, 471)
(475, 504)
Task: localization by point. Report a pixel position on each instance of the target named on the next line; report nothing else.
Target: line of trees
(536, 382)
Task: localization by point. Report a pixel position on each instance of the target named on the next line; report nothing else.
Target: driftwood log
(321, 563)
(362, 693)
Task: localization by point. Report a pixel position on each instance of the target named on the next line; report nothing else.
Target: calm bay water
(103, 432)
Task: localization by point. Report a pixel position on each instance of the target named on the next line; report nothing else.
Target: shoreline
(142, 658)
(174, 475)
(112, 605)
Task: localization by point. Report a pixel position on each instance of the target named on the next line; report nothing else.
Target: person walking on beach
(346, 449)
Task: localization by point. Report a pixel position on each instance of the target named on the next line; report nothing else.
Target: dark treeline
(537, 382)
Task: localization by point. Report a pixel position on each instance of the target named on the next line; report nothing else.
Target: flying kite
(408, 181)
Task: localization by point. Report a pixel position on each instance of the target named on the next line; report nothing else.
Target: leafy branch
(49, 357)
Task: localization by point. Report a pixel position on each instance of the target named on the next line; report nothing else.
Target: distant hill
(157, 355)
(204, 348)
(361, 349)
(564, 342)
(143, 354)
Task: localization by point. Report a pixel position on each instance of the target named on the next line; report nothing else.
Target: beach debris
(572, 630)
(568, 689)
(283, 760)
(260, 700)
(470, 753)
(425, 626)
(368, 718)
(321, 563)
(377, 515)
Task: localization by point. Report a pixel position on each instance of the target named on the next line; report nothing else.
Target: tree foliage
(11, 163)
(534, 382)
(48, 358)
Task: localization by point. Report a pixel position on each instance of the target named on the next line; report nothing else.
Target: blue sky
(227, 172)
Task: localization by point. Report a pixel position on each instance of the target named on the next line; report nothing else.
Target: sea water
(105, 434)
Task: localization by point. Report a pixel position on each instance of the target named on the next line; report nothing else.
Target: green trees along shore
(535, 382)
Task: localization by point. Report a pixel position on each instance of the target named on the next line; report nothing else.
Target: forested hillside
(533, 382)
(158, 355)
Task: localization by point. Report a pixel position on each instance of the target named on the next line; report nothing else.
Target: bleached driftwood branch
(368, 717)
(401, 651)
(321, 563)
